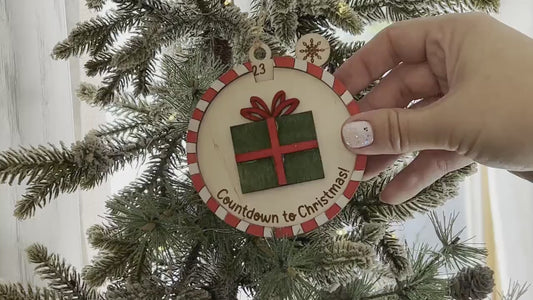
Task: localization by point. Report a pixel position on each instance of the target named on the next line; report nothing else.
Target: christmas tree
(159, 239)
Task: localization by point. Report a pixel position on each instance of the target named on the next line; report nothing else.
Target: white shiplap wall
(37, 106)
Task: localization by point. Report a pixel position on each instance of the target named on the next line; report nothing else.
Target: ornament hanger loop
(262, 68)
(256, 46)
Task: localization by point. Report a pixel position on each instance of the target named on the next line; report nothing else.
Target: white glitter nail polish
(358, 134)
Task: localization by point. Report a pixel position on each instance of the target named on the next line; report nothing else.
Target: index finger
(401, 42)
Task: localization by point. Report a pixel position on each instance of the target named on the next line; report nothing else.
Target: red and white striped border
(196, 176)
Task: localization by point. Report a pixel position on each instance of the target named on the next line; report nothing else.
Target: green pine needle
(61, 277)
(20, 292)
(515, 291)
(394, 254)
(455, 252)
(430, 198)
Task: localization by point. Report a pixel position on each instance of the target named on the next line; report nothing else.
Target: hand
(474, 76)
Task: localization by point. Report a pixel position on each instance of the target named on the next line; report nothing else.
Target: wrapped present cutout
(278, 148)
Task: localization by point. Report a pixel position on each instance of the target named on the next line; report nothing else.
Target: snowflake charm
(313, 48)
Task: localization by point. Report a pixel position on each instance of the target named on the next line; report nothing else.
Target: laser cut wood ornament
(264, 146)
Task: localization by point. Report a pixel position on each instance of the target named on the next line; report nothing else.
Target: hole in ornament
(260, 53)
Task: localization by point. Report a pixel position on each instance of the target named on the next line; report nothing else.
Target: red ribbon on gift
(280, 106)
(260, 111)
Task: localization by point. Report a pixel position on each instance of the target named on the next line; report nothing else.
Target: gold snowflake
(312, 50)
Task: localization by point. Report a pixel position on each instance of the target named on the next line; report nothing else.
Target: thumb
(396, 131)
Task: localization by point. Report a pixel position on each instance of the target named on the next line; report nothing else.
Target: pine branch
(108, 238)
(144, 5)
(423, 283)
(97, 34)
(127, 254)
(371, 233)
(341, 51)
(113, 81)
(343, 261)
(61, 277)
(489, 6)
(20, 292)
(368, 10)
(393, 253)
(106, 266)
(397, 10)
(223, 275)
(184, 80)
(133, 115)
(154, 177)
(105, 29)
(284, 19)
(515, 291)
(95, 4)
(86, 164)
(225, 28)
(147, 226)
(148, 288)
(430, 198)
(124, 104)
(455, 252)
(121, 128)
(90, 163)
(189, 266)
(337, 12)
(360, 288)
(99, 64)
(32, 163)
(286, 268)
(41, 192)
(134, 60)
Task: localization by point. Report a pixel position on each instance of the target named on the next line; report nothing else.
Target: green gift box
(278, 148)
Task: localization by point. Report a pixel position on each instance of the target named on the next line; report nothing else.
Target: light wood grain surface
(37, 106)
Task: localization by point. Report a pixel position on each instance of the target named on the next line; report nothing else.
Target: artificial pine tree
(159, 240)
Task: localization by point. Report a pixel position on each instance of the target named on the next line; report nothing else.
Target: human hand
(474, 77)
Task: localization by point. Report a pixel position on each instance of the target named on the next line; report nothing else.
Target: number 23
(259, 70)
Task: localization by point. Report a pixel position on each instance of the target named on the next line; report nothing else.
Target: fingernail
(386, 200)
(358, 134)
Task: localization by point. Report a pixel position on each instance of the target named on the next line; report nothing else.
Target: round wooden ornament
(264, 147)
(313, 48)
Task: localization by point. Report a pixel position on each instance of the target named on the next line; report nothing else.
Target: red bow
(280, 106)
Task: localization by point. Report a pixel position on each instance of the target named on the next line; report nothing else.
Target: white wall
(512, 197)
(37, 106)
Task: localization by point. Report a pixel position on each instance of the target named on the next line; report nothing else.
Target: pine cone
(472, 283)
